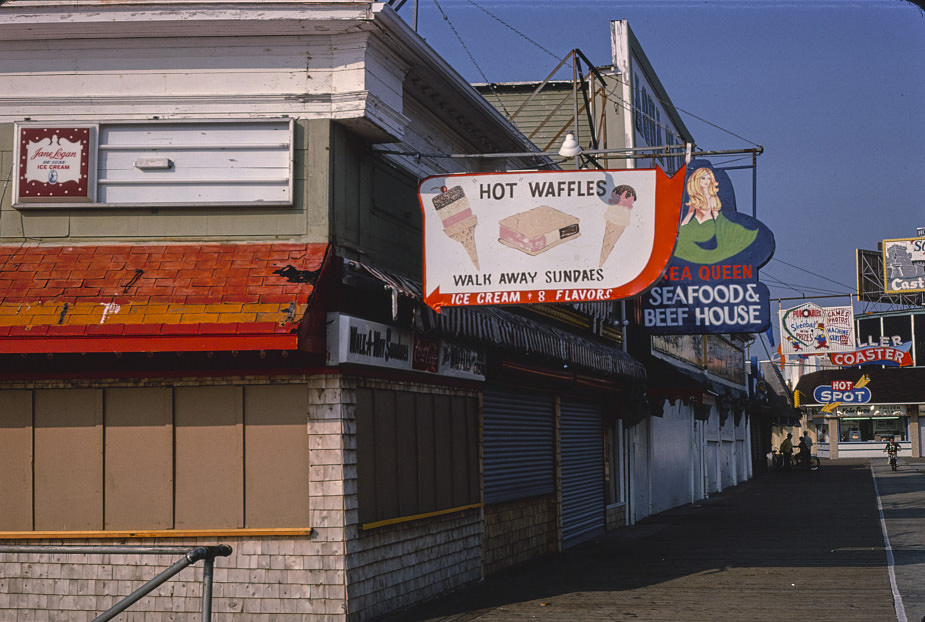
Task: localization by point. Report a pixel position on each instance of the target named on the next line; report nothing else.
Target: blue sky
(834, 91)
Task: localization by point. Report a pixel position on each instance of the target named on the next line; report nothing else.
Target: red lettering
(60, 154)
(736, 272)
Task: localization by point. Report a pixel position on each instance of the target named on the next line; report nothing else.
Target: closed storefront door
(519, 445)
(583, 500)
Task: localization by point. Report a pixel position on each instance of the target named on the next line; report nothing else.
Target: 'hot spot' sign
(842, 391)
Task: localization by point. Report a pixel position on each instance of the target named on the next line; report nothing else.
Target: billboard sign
(711, 285)
(546, 236)
(811, 329)
(904, 266)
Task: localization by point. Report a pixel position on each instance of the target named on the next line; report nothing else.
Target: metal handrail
(190, 556)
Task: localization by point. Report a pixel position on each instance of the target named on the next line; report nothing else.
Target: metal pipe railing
(190, 556)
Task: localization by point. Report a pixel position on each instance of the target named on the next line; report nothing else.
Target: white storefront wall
(676, 459)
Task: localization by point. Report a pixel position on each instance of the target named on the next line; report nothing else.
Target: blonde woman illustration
(706, 236)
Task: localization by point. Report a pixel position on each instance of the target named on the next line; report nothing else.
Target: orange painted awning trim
(156, 343)
(155, 298)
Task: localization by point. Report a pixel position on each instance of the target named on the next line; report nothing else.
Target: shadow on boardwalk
(801, 545)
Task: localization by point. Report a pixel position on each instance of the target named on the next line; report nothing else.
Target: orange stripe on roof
(94, 314)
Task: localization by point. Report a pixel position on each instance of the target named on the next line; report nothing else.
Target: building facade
(693, 435)
(873, 394)
(212, 327)
(213, 331)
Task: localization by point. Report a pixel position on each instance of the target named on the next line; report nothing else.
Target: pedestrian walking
(786, 450)
(806, 445)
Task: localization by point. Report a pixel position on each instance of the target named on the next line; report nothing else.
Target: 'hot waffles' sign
(546, 236)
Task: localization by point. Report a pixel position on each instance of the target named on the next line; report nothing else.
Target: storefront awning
(154, 298)
(496, 327)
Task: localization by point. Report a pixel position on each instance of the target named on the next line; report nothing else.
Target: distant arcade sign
(811, 329)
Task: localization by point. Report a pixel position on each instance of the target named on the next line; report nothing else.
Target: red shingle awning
(155, 298)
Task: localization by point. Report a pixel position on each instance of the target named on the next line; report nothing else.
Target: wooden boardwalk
(784, 546)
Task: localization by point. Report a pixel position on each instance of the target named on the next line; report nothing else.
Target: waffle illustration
(537, 230)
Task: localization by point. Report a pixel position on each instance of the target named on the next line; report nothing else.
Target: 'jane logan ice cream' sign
(546, 236)
(54, 164)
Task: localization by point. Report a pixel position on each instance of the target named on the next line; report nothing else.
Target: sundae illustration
(537, 230)
(458, 220)
(616, 218)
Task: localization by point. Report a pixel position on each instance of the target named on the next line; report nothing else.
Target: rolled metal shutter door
(583, 501)
(519, 445)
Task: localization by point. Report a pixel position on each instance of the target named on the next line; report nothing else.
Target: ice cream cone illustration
(464, 233)
(458, 220)
(616, 218)
(612, 233)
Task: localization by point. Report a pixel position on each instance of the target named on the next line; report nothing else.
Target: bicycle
(892, 450)
(811, 462)
(776, 462)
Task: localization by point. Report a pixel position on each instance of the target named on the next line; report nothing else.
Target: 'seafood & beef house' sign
(547, 236)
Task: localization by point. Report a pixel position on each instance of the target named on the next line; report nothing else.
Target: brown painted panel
(366, 456)
(459, 440)
(443, 465)
(276, 456)
(416, 453)
(139, 458)
(386, 455)
(15, 460)
(427, 454)
(406, 437)
(68, 459)
(472, 414)
(209, 460)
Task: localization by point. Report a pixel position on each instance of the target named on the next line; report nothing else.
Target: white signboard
(156, 162)
(810, 329)
(353, 340)
(867, 410)
(547, 236)
(358, 341)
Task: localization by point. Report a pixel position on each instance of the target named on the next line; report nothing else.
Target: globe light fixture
(570, 146)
